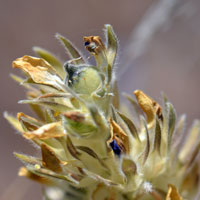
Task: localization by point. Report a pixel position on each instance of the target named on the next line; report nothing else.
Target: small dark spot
(115, 147)
(87, 43)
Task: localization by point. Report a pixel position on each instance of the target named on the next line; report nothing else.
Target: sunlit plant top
(91, 148)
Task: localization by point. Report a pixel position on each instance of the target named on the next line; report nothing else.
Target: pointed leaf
(38, 111)
(100, 121)
(71, 49)
(91, 153)
(50, 174)
(50, 115)
(157, 139)
(191, 141)
(72, 149)
(14, 122)
(42, 87)
(55, 95)
(109, 74)
(17, 78)
(23, 171)
(171, 122)
(179, 131)
(28, 159)
(145, 154)
(95, 176)
(114, 114)
(112, 44)
(193, 156)
(49, 104)
(21, 81)
(130, 125)
(134, 104)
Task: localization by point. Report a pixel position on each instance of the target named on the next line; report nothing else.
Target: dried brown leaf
(51, 130)
(149, 106)
(119, 136)
(40, 71)
(28, 123)
(173, 193)
(50, 160)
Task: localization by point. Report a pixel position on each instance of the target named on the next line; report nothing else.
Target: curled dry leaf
(40, 71)
(119, 136)
(27, 122)
(51, 130)
(95, 44)
(97, 48)
(149, 106)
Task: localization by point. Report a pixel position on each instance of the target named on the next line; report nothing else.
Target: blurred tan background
(159, 51)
